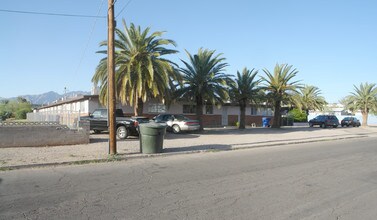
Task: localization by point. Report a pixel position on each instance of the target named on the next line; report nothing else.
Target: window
(254, 111)
(209, 109)
(82, 107)
(268, 112)
(96, 114)
(189, 109)
(261, 111)
(156, 108)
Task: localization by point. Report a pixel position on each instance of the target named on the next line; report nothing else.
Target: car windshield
(181, 118)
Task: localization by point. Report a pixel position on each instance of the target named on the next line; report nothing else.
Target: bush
(4, 115)
(14, 109)
(21, 113)
(297, 115)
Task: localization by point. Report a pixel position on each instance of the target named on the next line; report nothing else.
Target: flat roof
(69, 100)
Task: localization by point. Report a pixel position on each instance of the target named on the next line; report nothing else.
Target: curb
(141, 156)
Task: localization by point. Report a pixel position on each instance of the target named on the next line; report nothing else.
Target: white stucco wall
(92, 105)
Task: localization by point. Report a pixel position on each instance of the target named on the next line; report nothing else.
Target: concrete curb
(118, 158)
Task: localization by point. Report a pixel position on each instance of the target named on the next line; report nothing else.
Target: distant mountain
(42, 98)
(49, 97)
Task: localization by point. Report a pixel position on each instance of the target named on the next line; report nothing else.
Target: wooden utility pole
(111, 78)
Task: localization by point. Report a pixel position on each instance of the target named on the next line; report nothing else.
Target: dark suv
(324, 121)
(350, 121)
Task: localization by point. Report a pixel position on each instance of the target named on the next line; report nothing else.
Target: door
(99, 120)
(224, 116)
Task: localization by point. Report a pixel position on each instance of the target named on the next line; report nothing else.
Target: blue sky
(331, 43)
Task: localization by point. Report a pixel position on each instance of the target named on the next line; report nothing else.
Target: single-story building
(68, 111)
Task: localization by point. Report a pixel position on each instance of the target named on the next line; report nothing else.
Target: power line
(51, 14)
(129, 1)
(90, 37)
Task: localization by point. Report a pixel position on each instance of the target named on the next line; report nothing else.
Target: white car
(177, 123)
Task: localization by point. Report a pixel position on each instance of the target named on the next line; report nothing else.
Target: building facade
(213, 116)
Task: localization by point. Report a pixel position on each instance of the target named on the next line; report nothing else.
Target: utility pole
(111, 78)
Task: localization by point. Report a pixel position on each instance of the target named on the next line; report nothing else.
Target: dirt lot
(209, 140)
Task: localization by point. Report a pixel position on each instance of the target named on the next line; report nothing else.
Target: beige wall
(41, 136)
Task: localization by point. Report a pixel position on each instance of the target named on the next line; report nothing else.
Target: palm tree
(244, 90)
(204, 80)
(309, 98)
(279, 88)
(364, 98)
(141, 71)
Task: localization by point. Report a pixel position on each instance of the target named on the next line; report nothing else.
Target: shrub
(297, 115)
(21, 113)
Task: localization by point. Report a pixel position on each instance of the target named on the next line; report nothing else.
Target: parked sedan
(350, 121)
(177, 123)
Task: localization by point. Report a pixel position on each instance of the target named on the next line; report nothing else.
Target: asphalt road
(324, 180)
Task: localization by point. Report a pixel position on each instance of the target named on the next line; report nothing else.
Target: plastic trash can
(151, 137)
(266, 122)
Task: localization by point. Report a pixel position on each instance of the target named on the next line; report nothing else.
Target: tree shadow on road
(260, 130)
(214, 147)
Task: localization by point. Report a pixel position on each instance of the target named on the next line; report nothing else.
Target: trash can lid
(153, 125)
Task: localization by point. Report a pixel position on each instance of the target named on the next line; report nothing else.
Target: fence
(68, 118)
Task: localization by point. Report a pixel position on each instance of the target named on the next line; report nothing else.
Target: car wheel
(335, 126)
(96, 131)
(176, 129)
(348, 125)
(122, 132)
(323, 125)
(311, 125)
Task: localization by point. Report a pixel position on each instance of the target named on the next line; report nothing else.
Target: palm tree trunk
(199, 112)
(277, 117)
(242, 115)
(140, 106)
(365, 119)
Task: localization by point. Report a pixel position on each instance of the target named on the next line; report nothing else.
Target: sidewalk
(217, 139)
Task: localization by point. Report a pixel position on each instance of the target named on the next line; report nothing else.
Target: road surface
(324, 180)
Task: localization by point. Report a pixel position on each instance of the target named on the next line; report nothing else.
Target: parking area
(215, 139)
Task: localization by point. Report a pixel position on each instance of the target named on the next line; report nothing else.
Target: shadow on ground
(102, 138)
(214, 147)
(184, 135)
(260, 130)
